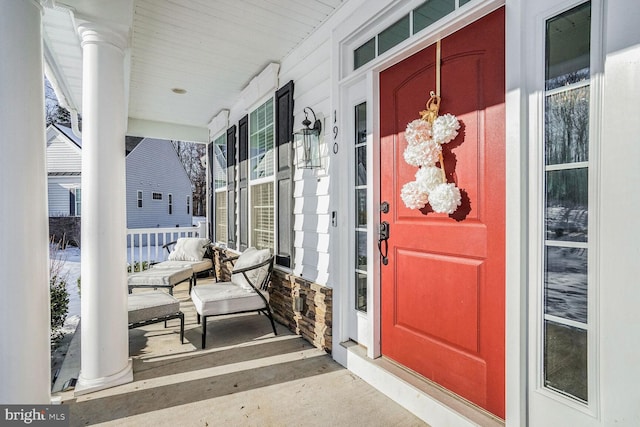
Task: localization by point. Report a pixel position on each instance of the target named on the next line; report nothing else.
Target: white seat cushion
(248, 258)
(224, 298)
(197, 266)
(189, 249)
(160, 277)
(150, 305)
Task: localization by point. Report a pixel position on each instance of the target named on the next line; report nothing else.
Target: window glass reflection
(566, 216)
(361, 250)
(567, 126)
(430, 12)
(565, 280)
(361, 207)
(393, 35)
(568, 44)
(361, 292)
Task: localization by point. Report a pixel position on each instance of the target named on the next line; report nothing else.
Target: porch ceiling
(211, 49)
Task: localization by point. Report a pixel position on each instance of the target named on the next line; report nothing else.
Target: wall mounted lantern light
(307, 142)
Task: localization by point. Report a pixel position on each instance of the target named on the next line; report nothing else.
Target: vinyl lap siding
(153, 166)
(59, 188)
(63, 157)
(311, 188)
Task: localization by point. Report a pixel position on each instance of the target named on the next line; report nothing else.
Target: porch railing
(144, 245)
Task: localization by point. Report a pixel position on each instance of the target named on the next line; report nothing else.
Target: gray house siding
(64, 165)
(60, 189)
(154, 167)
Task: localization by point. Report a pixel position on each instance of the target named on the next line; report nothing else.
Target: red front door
(443, 290)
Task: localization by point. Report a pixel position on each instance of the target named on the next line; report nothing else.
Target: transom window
(412, 23)
(566, 320)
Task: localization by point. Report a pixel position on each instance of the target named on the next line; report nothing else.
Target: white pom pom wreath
(418, 131)
(445, 128)
(445, 198)
(425, 153)
(429, 177)
(413, 196)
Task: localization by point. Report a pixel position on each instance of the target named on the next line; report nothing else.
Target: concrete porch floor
(245, 376)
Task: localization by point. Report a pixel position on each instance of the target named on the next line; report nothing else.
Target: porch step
(468, 413)
(70, 369)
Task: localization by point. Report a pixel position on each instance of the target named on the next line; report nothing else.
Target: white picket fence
(145, 244)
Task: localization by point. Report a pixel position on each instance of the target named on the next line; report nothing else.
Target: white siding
(63, 155)
(309, 66)
(153, 166)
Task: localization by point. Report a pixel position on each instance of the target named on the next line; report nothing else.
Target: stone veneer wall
(306, 308)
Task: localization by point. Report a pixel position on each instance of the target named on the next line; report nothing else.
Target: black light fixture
(307, 142)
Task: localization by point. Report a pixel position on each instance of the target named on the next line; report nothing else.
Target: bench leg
(204, 331)
(181, 328)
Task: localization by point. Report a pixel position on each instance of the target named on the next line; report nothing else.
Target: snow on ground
(71, 270)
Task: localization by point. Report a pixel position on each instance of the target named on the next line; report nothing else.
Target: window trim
(251, 183)
(140, 198)
(537, 243)
(170, 203)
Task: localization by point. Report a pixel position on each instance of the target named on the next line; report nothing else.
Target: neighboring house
(64, 166)
(158, 188)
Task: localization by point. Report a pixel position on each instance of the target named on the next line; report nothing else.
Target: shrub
(137, 266)
(58, 292)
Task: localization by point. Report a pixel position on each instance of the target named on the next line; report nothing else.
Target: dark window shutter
(231, 187)
(72, 203)
(284, 173)
(243, 183)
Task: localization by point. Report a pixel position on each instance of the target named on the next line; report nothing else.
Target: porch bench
(146, 308)
(160, 278)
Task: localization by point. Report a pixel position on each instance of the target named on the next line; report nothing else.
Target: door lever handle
(383, 240)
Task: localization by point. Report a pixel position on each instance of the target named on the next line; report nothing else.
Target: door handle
(383, 240)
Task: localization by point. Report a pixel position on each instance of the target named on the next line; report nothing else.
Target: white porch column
(105, 347)
(24, 254)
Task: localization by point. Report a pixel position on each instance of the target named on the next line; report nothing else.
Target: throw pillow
(248, 258)
(189, 249)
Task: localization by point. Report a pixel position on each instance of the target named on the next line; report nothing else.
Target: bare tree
(191, 155)
(53, 112)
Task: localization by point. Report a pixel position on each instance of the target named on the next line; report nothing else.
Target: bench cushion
(149, 305)
(225, 297)
(166, 277)
(197, 266)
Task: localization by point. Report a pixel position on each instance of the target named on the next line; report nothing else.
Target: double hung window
(220, 187)
(261, 177)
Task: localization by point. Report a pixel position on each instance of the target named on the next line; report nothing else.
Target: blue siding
(154, 167)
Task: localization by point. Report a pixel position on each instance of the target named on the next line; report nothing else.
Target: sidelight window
(567, 106)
